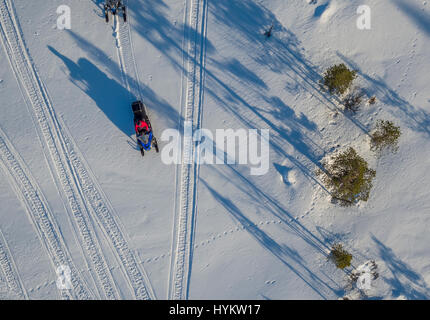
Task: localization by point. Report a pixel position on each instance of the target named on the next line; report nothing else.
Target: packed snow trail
(39, 213)
(84, 196)
(185, 208)
(10, 272)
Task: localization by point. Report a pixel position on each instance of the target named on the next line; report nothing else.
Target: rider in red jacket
(141, 127)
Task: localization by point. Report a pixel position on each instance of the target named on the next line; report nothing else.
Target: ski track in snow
(10, 271)
(87, 201)
(130, 72)
(130, 75)
(40, 215)
(185, 209)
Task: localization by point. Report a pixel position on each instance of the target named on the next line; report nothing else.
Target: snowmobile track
(10, 271)
(186, 207)
(56, 143)
(86, 200)
(138, 277)
(40, 215)
(127, 61)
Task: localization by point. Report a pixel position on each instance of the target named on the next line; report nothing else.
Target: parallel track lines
(137, 276)
(75, 185)
(40, 215)
(183, 233)
(10, 271)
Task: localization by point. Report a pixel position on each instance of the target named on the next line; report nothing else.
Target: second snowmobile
(142, 126)
(114, 7)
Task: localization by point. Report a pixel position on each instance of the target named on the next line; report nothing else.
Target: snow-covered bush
(338, 79)
(340, 257)
(361, 282)
(385, 136)
(347, 176)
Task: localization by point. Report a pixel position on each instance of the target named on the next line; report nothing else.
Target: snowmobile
(142, 126)
(114, 7)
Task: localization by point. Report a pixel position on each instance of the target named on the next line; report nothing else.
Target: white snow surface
(75, 191)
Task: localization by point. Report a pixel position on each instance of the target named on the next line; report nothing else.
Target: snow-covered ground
(75, 192)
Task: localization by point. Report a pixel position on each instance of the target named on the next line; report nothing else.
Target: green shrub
(340, 256)
(348, 177)
(385, 136)
(338, 78)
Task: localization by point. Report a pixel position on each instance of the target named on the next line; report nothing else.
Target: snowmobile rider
(143, 135)
(113, 5)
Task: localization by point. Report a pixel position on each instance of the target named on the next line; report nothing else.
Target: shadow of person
(111, 97)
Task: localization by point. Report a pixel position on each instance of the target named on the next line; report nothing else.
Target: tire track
(183, 231)
(136, 278)
(57, 143)
(10, 271)
(40, 215)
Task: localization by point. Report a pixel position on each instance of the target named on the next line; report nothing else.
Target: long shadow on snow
(108, 94)
(419, 17)
(289, 128)
(404, 281)
(154, 103)
(417, 119)
(288, 256)
(163, 35)
(154, 27)
(271, 205)
(266, 203)
(246, 18)
(281, 54)
(263, 202)
(167, 37)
